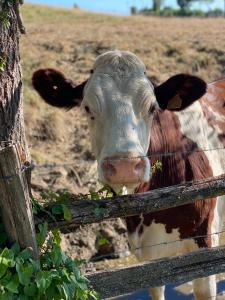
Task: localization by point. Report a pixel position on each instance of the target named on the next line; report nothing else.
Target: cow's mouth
(128, 172)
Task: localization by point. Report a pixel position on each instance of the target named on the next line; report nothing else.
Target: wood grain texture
(159, 272)
(16, 211)
(11, 109)
(91, 211)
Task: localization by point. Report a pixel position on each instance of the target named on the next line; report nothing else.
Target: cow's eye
(151, 109)
(91, 71)
(87, 109)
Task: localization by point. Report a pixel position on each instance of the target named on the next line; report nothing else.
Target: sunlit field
(70, 40)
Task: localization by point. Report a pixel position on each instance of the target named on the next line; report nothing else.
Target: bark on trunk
(11, 110)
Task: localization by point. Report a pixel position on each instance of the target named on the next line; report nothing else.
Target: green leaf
(13, 284)
(25, 254)
(35, 265)
(30, 290)
(22, 297)
(71, 290)
(52, 292)
(66, 213)
(56, 236)
(94, 195)
(6, 261)
(103, 241)
(7, 296)
(3, 61)
(57, 209)
(43, 280)
(5, 279)
(56, 255)
(94, 295)
(43, 231)
(82, 285)
(24, 272)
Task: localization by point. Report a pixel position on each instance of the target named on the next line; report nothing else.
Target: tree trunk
(11, 110)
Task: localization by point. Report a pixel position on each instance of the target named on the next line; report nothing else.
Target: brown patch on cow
(192, 219)
(213, 106)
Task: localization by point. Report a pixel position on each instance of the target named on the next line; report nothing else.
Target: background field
(70, 40)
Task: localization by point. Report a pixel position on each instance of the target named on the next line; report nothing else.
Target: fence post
(15, 205)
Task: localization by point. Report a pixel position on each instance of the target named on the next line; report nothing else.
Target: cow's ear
(179, 91)
(56, 89)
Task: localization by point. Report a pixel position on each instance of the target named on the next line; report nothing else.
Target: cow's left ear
(179, 91)
(56, 89)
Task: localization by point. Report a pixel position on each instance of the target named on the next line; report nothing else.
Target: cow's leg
(157, 293)
(205, 288)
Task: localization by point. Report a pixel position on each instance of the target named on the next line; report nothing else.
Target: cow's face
(120, 102)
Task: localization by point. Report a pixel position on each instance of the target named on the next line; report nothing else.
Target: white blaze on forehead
(121, 62)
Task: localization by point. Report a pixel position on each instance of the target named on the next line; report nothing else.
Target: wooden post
(15, 205)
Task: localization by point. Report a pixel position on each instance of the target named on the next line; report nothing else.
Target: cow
(132, 123)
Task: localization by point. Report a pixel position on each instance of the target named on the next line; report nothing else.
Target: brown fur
(193, 219)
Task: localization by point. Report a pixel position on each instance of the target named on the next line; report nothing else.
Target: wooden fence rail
(159, 272)
(91, 211)
(17, 217)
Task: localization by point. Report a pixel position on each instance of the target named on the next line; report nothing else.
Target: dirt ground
(70, 40)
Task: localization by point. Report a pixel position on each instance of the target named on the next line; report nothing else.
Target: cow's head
(119, 100)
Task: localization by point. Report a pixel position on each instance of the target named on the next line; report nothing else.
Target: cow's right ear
(56, 89)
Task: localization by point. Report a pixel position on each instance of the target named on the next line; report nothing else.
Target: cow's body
(184, 136)
(124, 111)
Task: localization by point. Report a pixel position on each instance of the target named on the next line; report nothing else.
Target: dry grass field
(70, 40)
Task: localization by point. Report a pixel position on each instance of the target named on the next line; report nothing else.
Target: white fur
(120, 107)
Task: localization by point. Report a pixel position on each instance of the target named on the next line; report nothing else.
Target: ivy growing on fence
(55, 276)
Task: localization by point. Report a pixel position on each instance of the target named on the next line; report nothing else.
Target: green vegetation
(2, 64)
(5, 18)
(55, 276)
(185, 10)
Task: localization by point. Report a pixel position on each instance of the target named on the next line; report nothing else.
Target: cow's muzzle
(125, 171)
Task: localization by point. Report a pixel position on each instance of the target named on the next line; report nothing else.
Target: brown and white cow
(126, 114)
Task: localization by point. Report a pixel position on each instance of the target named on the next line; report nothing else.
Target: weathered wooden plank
(90, 211)
(177, 269)
(15, 206)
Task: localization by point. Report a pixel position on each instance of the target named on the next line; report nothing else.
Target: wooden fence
(18, 219)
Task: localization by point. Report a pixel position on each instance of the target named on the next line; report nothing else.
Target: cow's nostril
(109, 169)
